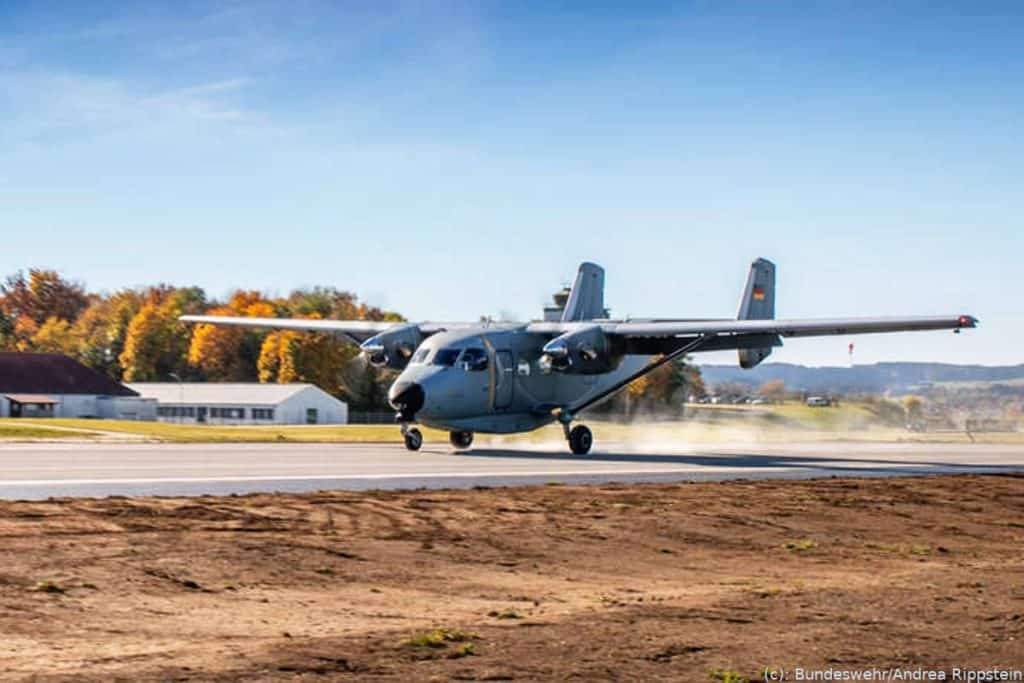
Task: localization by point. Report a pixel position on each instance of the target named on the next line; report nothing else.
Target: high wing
(668, 340)
(741, 328)
(356, 331)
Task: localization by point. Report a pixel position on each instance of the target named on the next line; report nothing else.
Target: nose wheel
(413, 438)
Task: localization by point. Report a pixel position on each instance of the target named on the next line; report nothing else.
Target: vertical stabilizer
(586, 300)
(758, 303)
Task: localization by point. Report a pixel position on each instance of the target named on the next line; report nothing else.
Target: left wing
(742, 328)
(667, 340)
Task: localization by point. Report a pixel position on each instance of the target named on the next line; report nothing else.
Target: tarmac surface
(43, 470)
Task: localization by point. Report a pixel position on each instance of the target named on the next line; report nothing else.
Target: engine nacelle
(587, 351)
(392, 348)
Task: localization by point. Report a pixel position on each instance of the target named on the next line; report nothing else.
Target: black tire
(413, 439)
(580, 440)
(461, 440)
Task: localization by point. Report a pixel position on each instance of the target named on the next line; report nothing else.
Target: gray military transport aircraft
(500, 378)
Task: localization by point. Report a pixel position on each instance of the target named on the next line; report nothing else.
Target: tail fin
(586, 300)
(758, 303)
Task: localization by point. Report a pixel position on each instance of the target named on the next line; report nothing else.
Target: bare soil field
(686, 582)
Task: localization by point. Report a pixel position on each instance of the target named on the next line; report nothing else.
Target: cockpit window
(445, 357)
(419, 357)
(474, 359)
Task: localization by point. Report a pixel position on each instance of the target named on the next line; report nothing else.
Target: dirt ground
(690, 582)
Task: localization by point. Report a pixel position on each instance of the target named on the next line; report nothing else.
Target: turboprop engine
(392, 348)
(587, 351)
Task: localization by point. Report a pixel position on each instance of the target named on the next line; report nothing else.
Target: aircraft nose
(407, 398)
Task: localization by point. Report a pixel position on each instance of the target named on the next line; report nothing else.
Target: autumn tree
(27, 303)
(325, 360)
(102, 328)
(773, 391)
(313, 357)
(55, 336)
(44, 294)
(913, 407)
(331, 303)
(156, 343)
(666, 385)
(224, 353)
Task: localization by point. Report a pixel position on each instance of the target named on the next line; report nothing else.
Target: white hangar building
(246, 403)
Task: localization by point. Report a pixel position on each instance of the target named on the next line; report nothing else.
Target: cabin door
(504, 378)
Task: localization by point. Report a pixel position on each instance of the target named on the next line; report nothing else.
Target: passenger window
(446, 357)
(474, 360)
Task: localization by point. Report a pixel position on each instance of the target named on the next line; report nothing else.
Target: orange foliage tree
(231, 353)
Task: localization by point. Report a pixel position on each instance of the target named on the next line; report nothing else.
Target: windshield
(446, 357)
(419, 357)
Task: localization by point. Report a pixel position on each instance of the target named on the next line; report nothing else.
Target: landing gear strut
(413, 437)
(461, 439)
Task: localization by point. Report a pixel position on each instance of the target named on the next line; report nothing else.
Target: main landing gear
(580, 440)
(580, 437)
(461, 440)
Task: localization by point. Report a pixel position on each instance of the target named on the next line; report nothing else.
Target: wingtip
(967, 321)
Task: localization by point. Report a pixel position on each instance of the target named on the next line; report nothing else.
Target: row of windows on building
(202, 412)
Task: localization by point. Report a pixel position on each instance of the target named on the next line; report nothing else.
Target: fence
(371, 417)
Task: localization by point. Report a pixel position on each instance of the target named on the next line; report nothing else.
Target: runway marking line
(739, 472)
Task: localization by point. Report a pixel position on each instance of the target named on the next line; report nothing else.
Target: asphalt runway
(43, 470)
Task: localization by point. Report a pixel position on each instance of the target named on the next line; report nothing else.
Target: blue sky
(452, 160)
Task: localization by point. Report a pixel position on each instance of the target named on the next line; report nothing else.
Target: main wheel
(461, 439)
(580, 440)
(413, 439)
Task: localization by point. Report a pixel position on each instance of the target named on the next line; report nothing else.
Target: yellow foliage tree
(102, 328)
(156, 344)
(55, 336)
(913, 407)
(230, 353)
(304, 357)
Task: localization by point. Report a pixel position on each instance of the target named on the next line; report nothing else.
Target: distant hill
(875, 377)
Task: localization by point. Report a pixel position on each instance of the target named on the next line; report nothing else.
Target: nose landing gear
(461, 440)
(413, 437)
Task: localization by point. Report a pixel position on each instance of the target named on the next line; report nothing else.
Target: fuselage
(487, 379)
